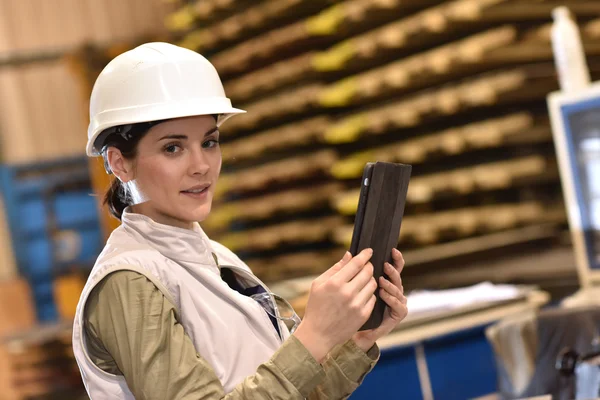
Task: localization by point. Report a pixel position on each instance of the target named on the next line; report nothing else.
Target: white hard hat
(152, 82)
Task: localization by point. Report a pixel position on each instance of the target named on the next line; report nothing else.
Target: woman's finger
(336, 267)
(390, 288)
(354, 266)
(398, 308)
(362, 279)
(367, 291)
(398, 259)
(370, 304)
(393, 274)
(392, 301)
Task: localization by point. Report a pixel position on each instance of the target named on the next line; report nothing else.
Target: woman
(169, 314)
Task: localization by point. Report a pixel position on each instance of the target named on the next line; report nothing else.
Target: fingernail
(346, 255)
(388, 266)
(396, 252)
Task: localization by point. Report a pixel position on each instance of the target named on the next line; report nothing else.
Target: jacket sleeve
(132, 330)
(345, 369)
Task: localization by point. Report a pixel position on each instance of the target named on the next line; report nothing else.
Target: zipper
(255, 279)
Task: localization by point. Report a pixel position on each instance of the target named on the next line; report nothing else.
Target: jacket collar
(180, 245)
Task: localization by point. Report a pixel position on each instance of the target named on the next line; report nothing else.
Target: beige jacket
(237, 349)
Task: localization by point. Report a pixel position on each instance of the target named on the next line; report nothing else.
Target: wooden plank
(17, 311)
(512, 173)
(285, 171)
(480, 244)
(16, 123)
(426, 229)
(8, 265)
(511, 129)
(36, 110)
(6, 32)
(281, 138)
(72, 117)
(274, 109)
(288, 233)
(42, 98)
(99, 23)
(211, 10)
(271, 78)
(26, 36)
(286, 202)
(553, 265)
(294, 264)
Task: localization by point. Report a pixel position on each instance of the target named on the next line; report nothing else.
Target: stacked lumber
(454, 88)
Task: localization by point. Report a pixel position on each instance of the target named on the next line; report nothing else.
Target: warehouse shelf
(256, 19)
(333, 24)
(291, 136)
(353, 17)
(525, 172)
(513, 129)
(512, 86)
(290, 170)
(421, 262)
(293, 103)
(455, 88)
(406, 37)
(286, 202)
(426, 229)
(492, 88)
(551, 269)
(497, 48)
(201, 11)
(511, 173)
(295, 264)
(314, 230)
(481, 245)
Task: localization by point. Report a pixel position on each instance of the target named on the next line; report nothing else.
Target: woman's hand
(392, 292)
(339, 303)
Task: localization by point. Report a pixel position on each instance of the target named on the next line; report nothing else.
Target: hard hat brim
(157, 112)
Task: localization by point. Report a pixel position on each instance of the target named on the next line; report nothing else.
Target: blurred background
(455, 88)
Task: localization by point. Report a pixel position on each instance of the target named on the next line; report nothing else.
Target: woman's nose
(198, 163)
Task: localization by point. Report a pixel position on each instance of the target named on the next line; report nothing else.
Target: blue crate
(25, 192)
(460, 365)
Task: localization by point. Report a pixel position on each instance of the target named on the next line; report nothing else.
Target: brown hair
(117, 198)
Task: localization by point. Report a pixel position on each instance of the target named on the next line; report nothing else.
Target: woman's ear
(119, 166)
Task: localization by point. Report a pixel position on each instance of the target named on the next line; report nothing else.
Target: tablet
(378, 220)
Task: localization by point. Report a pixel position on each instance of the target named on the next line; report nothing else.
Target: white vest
(229, 330)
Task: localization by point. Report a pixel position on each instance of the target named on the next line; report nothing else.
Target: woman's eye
(210, 144)
(172, 148)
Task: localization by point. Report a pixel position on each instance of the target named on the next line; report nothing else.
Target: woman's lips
(198, 193)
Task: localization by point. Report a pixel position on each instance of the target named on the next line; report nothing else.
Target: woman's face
(175, 171)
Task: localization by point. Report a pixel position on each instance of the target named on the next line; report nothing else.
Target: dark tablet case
(378, 220)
